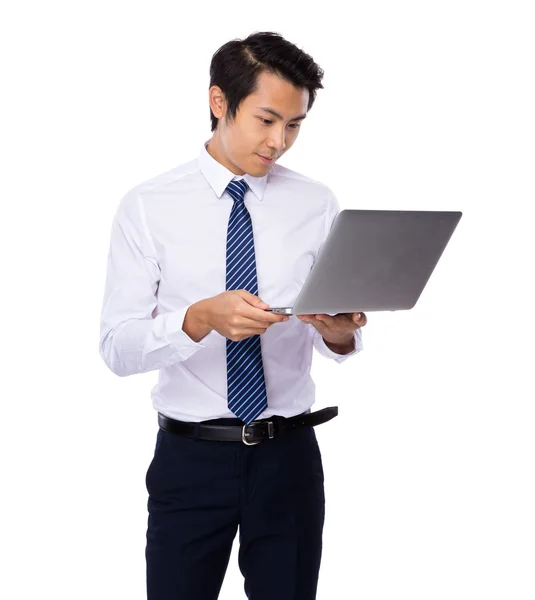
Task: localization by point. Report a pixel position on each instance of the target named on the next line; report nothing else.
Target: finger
(326, 320)
(246, 322)
(261, 315)
(251, 298)
(359, 318)
(318, 324)
(307, 318)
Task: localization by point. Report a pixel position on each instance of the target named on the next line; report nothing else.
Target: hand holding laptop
(337, 329)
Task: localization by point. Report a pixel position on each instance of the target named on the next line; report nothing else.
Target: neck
(215, 150)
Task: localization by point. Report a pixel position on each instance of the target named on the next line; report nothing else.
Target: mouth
(266, 160)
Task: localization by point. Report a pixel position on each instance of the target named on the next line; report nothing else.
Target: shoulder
(174, 180)
(292, 178)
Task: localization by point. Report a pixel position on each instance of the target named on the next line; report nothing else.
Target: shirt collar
(219, 176)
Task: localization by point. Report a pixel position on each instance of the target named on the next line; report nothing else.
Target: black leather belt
(252, 434)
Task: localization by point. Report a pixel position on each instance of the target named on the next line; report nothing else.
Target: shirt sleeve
(324, 350)
(331, 211)
(134, 338)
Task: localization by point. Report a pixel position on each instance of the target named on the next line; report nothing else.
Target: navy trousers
(201, 492)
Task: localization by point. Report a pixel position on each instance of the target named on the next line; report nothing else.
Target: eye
(269, 122)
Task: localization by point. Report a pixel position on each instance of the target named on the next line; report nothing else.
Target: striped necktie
(245, 373)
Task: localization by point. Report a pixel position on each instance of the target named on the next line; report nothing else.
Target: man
(190, 250)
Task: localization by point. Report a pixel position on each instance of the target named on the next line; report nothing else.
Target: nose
(277, 140)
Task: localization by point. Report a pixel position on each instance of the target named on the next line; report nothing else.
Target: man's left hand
(338, 329)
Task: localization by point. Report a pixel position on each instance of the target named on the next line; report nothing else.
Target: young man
(190, 251)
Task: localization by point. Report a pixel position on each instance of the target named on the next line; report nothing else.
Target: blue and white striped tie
(246, 387)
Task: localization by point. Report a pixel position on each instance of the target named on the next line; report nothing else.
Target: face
(266, 125)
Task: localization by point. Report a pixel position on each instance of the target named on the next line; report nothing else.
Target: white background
(429, 468)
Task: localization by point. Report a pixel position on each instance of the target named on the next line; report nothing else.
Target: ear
(217, 100)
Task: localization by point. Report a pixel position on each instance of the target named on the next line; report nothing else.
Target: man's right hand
(236, 315)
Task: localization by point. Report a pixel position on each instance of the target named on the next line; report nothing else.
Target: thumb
(252, 299)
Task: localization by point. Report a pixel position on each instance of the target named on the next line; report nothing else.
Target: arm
(341, 348)
(134, 338)
(340, 351)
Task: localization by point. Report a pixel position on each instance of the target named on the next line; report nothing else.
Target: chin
(260, 171)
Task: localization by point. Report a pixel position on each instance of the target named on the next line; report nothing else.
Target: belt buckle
(271, 433)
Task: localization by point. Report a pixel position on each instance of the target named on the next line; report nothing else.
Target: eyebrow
(276, 114)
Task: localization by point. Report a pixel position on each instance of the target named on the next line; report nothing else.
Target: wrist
(344, 347)
(196, 320)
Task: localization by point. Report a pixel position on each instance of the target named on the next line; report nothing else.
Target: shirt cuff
(178, 338)
(324, 350)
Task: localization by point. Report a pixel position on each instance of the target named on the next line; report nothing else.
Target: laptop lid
(375, 260)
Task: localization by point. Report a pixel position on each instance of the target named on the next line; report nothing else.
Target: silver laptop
(374, 260)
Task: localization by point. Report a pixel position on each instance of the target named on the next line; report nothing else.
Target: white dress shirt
(168, 251)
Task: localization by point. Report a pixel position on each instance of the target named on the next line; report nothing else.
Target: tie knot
(237, 189)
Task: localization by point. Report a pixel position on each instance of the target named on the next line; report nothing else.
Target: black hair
(236, 65)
